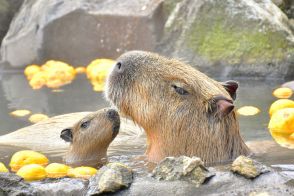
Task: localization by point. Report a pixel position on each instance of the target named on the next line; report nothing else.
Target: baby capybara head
(183, 111)
(90, 137)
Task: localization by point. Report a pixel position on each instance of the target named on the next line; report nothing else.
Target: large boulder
(79, 31)
(231, 37)
(286, 6)
(7, 10)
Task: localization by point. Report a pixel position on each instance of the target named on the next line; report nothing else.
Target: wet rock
(62, 186)
(231, 38)
(223, 183)
(111, 178)
(182, 168)
(7, 10)
(248, 168)
(11, 184)
(79, 31)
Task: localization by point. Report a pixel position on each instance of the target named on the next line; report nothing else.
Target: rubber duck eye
(86, 124)
(180, 90)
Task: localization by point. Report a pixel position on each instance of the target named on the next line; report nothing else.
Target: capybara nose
(112, 114)
(119, 67)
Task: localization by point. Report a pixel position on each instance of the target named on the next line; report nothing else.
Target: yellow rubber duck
(57, 170)
(32, 172)
(26, 157)
(82, 172)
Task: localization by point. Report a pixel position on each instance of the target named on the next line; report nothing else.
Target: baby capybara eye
(180, 90)
(86, 124)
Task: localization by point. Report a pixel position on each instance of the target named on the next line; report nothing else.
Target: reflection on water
(15, 93)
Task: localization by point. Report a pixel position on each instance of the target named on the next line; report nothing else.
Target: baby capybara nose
(112, 114)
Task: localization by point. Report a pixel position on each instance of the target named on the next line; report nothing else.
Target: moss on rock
(218, 42)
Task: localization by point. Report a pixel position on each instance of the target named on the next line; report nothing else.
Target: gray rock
(7, 10)
(11, 184)
(231, 38)
(287, 6)
(111, 178)
(248, 168)
(79, 31)
(223, 183)
(182, 168)
(61, 187)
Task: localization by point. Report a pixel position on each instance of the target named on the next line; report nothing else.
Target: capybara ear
(231, 86)
(66, 135)
(221, 106)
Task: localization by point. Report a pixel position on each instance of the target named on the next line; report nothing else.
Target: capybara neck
(212, 146)
(90, 137)
(183, 111)
(95, 156)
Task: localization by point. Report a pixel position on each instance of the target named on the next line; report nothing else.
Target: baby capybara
(183, 111)
(90, 137)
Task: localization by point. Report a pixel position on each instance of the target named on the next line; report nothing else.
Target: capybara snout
(183, 111)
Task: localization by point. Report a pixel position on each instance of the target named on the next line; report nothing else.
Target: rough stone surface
(223, 183)
(287, 6)
(79, 31)
(248, 168)
(7, 10)
(182, 168)
(111, 178)
(231, 38)
(12, 184)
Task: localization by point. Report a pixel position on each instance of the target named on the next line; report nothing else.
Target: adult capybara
(183, 111)
(90, 137)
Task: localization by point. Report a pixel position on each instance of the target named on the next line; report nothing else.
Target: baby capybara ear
(221, 106)
(231, 86)
(66, 135)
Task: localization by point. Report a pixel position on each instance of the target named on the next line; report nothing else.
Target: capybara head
(90, 137)
(183, 111)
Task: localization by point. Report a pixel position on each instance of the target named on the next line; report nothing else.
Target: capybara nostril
(119, 67)
(112, 114)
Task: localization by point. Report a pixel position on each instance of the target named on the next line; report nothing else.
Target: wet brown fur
(175, 124)
(89, 146)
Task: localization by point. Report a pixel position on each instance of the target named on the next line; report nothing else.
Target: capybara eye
(86, 124)
(118, 65)
(180, 90)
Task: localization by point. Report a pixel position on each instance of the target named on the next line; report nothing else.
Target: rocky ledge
(173, 176)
